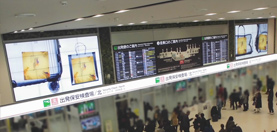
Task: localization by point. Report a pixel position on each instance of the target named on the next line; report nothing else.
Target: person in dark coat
(34, 128)
(222, 128)
(230, 124)
(146, 108)
(164, 113)
(258, 102)
(151, 125)
(208, 127)
(225, 97)
(270, 101)
(234, 99)
(203, 122)
(259, 84)
(196, 123)
(267, 83)
(185, 122)
(157, 114)
(245, 100)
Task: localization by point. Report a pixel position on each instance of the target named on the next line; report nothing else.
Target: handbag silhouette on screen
(243, 42)
(261, 38)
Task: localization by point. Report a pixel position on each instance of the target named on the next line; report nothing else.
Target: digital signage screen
(134, 60)
(91, 124)
(86, 108)
(46, 67)
(178, 54)
(215, 49)
(251, 40)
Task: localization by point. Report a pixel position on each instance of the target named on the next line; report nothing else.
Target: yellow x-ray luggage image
(243, 42)
(83, 69)
(262, 42)
(242, 45)
(36, 65)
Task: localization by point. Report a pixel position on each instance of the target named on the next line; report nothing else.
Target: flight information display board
(134, 60)
(178, 54)
(215, 49)
(149, 58)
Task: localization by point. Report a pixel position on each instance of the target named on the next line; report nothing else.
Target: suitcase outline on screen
(53, 80)
(248, 41)
(258, 37)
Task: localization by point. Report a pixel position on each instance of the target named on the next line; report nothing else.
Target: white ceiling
(51, 11)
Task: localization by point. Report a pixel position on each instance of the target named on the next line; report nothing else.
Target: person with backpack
(230, 124)
(208, 127)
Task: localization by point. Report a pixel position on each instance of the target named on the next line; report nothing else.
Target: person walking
(185, 123)
(245, 100)
(225, 97)
(174, 119)
(164, 113)
(258, 102)
(270, 101)
(196, 123)
(208, 127)
(202, 122)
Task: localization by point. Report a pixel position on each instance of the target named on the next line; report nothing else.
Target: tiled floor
(250, 121)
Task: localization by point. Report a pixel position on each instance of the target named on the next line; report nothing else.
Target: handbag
(243, 42)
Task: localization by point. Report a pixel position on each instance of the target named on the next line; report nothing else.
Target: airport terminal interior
(138, 66)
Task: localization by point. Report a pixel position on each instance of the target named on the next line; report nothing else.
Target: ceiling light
(208, 20)
(79, 19)
(233, 11)
(22, 30)
(120, 25)
(260, 17)
(131, 23)
(99, 15)
(272, 16)
(221, 18)
(30, 28)
(121, 11)
(247, 18)
(195, 20)
(210, 14)
(143, 22)
(261, 8)
(25, 15)
(15, 32)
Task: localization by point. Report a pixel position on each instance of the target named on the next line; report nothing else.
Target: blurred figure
(259, 84)
(194, 101)
(174, 119)
(267, 83)
(270, 101)
(164, 113)
(239, 95)
(233, 100)
(150, 125)
(203, 122)
(219, 106)
(258, 102)
(230, 124)
(185, 105)
(196, 123)
(131, 119)
(208, 127)
(146, 107)
(178, 107)
(185, 122)
(222, 128)
(225, 96)
(245, 100)
(157, 114)
(34, 128)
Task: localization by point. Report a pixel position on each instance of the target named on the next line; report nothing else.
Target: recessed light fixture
(22, 30)
(131, 23)
(208, 20)
(272, 16)
(25, 15)
(79, 19)
(143, 22)
(261, 8)
(99, 15)
(247, 18)
(260, 17)
(30, 28)
(15, 32)
(195, 21)
(120, 25)
(121, 11)
(221, 18)
(233, 11)
(210, 14)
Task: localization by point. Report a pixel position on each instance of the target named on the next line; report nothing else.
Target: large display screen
(134, 60)
(215, 49)
(91, 124)
(86, 108)
(251, 40)
(178, 54)
(149, 58)
(45, 67)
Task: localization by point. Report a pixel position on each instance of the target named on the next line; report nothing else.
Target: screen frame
(248, 23)
(49, 38)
